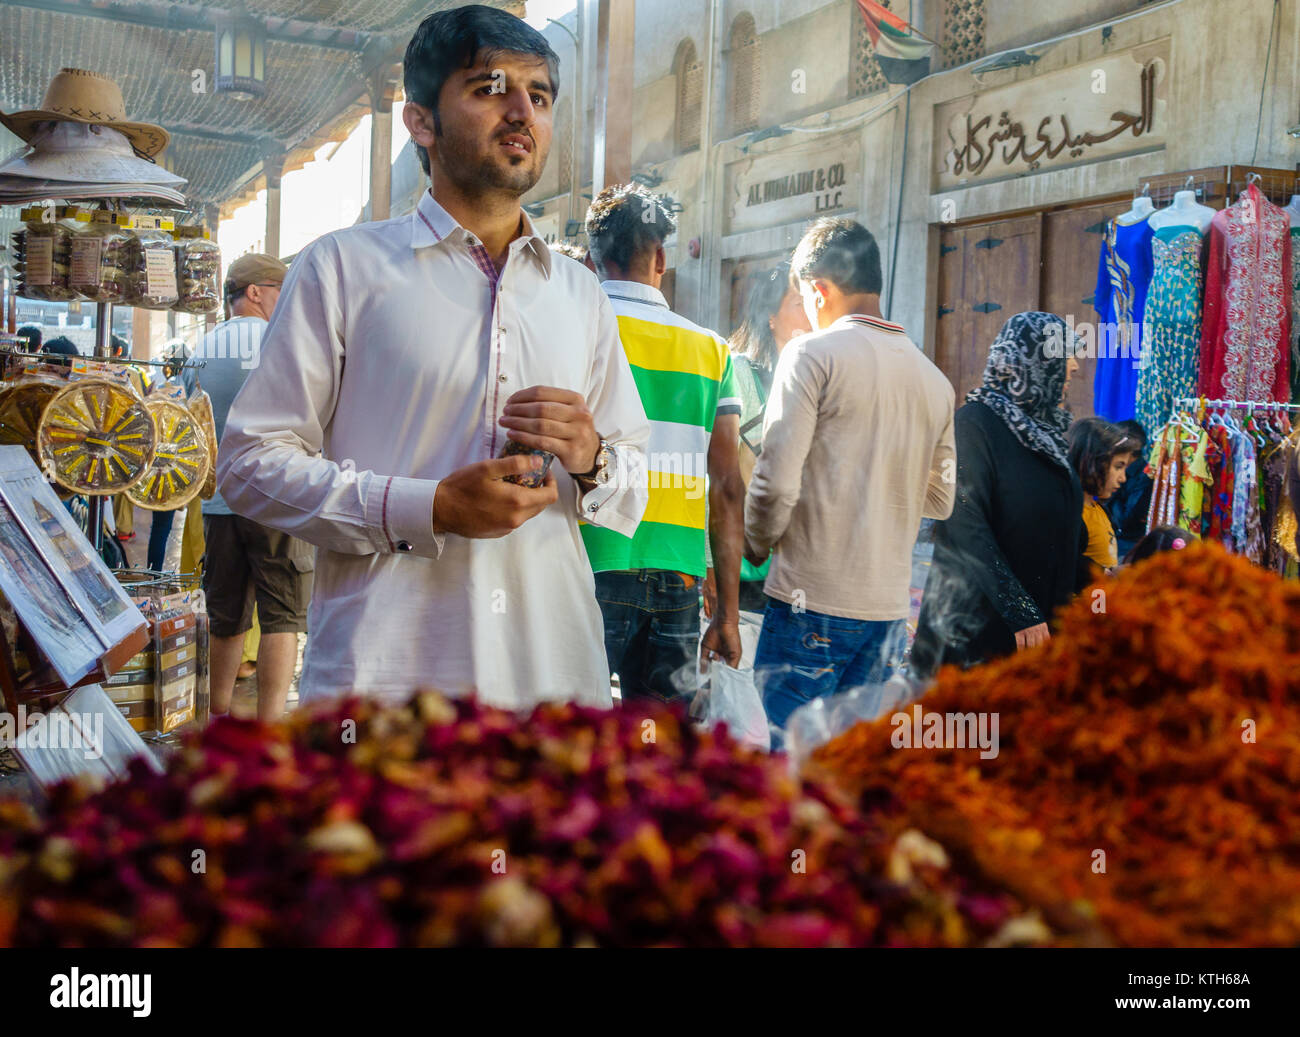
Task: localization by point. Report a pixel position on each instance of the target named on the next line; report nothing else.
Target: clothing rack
(55, 357)
(1188, 402)
(1277, 185)
(1219, 186)
(1207, 185)
(169, 582)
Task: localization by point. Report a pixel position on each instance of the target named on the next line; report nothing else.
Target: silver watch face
(604, 464)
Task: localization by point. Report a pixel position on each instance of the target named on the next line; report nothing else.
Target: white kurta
(385, 367)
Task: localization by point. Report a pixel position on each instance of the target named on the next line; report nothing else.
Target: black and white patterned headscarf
(1024, 380)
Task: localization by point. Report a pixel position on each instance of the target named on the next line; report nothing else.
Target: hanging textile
(1221, 476)
(1246, 326)
(1171, 353)
(1295, 314)
(1123, 276)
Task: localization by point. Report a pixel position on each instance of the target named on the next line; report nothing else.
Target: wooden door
(988, 272)
(1072, 240)
(669, 288)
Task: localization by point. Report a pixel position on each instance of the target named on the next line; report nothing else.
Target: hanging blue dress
(1123, 274)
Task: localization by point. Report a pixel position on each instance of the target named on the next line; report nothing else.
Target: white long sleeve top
(386, 366)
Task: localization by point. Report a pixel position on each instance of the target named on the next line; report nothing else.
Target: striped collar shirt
(385, 367)
(685, 377)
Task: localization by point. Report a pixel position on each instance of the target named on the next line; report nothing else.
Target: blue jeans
(652, 633)
(805, 655)
(159, 530)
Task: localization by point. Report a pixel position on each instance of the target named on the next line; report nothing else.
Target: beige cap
(254, 268)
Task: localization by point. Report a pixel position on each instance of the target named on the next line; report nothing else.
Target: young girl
(1100, 452)
(1159, 540)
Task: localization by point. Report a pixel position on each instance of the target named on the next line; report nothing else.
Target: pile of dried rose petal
(454, 824)
(1149, 762)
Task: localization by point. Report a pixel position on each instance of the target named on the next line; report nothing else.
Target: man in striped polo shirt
(648, 584)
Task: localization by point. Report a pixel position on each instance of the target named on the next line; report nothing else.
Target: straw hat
(84, 154)
(75, 95)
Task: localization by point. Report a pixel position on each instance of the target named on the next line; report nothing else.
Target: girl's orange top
(1103, 551)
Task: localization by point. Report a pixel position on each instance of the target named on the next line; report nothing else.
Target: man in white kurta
(386, 366)
(401, 356)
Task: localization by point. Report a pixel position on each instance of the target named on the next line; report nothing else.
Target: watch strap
(601, 451)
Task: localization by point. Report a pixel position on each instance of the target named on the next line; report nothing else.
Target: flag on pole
(901, 51)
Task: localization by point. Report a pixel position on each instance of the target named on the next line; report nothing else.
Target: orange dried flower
(1160, 725)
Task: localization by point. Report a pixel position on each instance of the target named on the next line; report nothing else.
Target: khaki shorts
(248, 563)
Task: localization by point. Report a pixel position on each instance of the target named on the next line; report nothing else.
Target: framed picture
(62, 592)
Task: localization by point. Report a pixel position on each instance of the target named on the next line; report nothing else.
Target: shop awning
(319, 55)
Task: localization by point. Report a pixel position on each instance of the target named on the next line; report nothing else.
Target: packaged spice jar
(198, 271)
(100, 255)
(151, 267)
(46, 248)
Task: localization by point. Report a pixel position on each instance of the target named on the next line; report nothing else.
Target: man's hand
(753, 556)
(557, 420)
(721, 641)
(474, 501)
(710, 591)
(1033, 636)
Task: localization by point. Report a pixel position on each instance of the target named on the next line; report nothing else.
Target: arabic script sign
(1091, 111)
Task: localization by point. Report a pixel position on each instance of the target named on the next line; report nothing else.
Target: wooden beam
(273, 165)
(191, 130)
(382, 88)
(180, 18)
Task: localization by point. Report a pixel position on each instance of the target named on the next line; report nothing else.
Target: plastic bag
(813, 725)
(200, 405)
(733, 700)
(198, 271)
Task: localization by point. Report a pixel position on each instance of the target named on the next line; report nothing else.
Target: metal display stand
(1189, 402)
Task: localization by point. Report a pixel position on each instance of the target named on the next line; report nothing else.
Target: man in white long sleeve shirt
(857, 448)
(400, 358)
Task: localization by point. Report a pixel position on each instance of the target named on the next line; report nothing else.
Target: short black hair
(841, 251)
(61, 346)
(1134, 430)
(32, 335)
(454, 39)
(1093, 444)
(1159, 540)
(624, 222)
(117, 345)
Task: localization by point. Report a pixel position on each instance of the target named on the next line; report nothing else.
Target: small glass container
(198, 271)
(151, 269)
(101, 256)
(46, 250)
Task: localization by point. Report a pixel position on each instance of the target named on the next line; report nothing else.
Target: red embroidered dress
(1246, 326)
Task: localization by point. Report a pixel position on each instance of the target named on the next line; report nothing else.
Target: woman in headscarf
(1012, 551)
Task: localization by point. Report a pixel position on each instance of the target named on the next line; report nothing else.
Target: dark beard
(472, 175)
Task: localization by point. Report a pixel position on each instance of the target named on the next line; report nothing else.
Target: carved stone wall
(963, 32)
(865, 76)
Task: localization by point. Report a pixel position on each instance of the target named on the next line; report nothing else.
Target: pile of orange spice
(1148, 766)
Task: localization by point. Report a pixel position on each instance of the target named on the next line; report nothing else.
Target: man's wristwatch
(603, 469)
